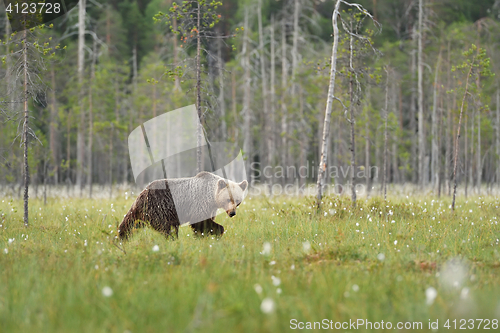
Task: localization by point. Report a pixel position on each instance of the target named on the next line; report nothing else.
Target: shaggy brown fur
(196, 199)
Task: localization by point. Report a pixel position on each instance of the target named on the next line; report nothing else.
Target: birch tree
(322, 170)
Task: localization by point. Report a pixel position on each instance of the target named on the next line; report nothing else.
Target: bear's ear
(243, 185)
(221, 184)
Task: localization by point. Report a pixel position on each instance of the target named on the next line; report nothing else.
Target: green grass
(53, 274)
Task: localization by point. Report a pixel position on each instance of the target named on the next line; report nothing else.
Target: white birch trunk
(271, 152)
(284, 79)
(328, 111)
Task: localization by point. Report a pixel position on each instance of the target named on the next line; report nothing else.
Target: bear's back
(193, 197)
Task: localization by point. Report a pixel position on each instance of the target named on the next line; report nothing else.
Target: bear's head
(229, 196)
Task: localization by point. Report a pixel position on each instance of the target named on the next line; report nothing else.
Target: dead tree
(27, 58)
(475, 64)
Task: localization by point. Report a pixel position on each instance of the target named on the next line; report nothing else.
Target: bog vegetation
(404, 260)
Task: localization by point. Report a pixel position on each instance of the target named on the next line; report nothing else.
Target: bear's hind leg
(169, 230)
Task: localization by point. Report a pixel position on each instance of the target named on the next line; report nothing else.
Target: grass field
(407, 260)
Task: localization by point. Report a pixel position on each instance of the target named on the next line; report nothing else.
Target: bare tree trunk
(479, 169)
(81, 58)
(247, 141)
(284, 120)
(351, 109)
(26, 128)
(54, 146)
(328, 112)
(367, 142)
(295, 42)
(471, 164)
(111, 161)
(386, 113)
(233, 99)
(421, 121)
(222, 101)
(199, 133)
(45, 180)
(265, 108)
(394, 168)
(466, 160)
(91, 120)
(448, 129)
(413, 124)
(440, 146)
(303, 137)
(177, 84)
(68, 151)
(455, 160)
(271, 145)
(134, 67)
(434, 128)
(498, 138)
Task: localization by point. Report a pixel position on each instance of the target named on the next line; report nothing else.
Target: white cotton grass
(355, 288)
(5, 251)
(156, 248)
(267, 306)
(258, 289)
(276, 280)
(430, 295)
(453, 273)
(306, 246)
(107, 291)
(266, 250)
(464, 294)
(381, 256)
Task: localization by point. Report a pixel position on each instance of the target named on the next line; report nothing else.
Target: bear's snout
(231, 213)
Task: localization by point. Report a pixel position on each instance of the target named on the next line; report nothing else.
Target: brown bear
(165, 204)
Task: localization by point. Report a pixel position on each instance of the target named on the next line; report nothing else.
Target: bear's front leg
(207, 227)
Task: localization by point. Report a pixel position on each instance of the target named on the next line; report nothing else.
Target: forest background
(266, 89)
